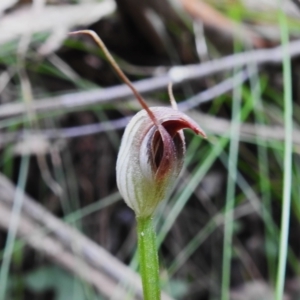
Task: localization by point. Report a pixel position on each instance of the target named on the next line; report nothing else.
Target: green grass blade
(287, 176)
(230, 192)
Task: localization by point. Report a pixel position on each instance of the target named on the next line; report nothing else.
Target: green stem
(149, 267)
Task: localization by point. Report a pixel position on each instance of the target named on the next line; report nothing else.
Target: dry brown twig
(212, 18)
(53, 249)
(67, 246)
(256, 32)
(5, 4)
(33, 19)
(212, 125)
(36, 138)
(177, 75)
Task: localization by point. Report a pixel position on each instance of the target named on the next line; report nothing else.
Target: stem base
(149, 267)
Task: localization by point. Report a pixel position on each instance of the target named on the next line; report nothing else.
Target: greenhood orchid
(151, 157)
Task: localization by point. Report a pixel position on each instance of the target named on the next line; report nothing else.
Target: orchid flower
(151, 157)
(149, 161)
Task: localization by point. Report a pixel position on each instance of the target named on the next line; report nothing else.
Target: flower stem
(148, 257)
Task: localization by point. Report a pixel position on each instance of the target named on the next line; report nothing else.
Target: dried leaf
(5, 4)
(256, 290)
(27, 21)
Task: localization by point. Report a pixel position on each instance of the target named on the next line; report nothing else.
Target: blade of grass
(13, 226)
(217, 220)
(287, 176)
(230, 192)
(182, 199)
(179, 200)
(263, 169)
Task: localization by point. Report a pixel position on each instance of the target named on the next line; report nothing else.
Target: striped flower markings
(151, 157)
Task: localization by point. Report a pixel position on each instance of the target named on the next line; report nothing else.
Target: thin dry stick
(87, 250)
(196, 100)
(55, 251)
(212, 125)
(177, 75)
(31, 116)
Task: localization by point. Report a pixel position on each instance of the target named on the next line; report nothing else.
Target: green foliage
(65, 285)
